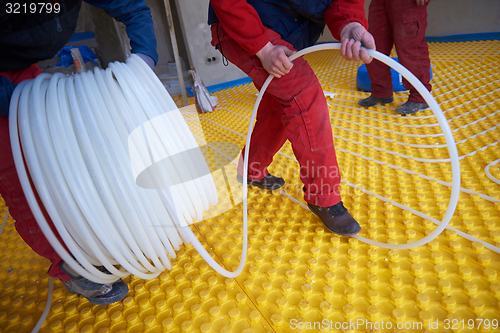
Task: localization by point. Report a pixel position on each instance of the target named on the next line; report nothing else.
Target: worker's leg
(13, 195)
(304, 116)
(410, 23)
(268, 125)
(12, 192)
(380, 28)
(27, 227)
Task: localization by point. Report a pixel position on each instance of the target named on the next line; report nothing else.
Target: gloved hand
(147, 59)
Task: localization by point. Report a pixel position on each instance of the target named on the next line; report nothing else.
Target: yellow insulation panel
(299, 277)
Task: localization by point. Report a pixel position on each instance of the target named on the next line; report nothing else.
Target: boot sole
(334, 231)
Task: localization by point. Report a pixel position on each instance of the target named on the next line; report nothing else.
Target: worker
(258, 36)
(26, 37)
(401, 23)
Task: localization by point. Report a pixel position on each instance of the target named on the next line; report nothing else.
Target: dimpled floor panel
(299, 277)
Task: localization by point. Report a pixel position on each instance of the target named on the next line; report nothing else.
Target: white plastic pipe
(74, 132)
(450, 141)
(489, 175)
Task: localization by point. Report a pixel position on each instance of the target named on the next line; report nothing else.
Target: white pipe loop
(452, 149)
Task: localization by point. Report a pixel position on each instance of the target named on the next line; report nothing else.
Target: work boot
(411, 107)
(95, 293)
(269, 182)
(337, 219)
(372, 101)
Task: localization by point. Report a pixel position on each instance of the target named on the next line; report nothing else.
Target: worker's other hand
(352, 37)
(147, 59)
(274, 59)
(421, 2)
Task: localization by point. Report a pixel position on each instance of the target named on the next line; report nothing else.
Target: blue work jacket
(299, 22)
(27, 38)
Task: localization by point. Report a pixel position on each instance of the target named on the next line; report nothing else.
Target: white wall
(446, 17)
(193, 16)
(454, 17)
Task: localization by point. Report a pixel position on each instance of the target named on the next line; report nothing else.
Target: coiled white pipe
(196, 244)
(452, 149)
(74, 133)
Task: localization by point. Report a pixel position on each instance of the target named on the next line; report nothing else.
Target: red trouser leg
(380, 27)
(269, 125)
(403, 23)
(303, 115)
(409, 25)
(13, 195)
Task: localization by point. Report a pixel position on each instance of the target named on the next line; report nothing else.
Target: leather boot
(337, 219)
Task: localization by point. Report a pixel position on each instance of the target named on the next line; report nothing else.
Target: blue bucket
(364, 83)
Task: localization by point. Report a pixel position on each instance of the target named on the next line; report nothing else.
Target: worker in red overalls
(258, 36)
(25, 38)
(401, 23)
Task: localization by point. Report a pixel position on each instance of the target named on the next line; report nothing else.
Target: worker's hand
(352, 37)
(274, 58)
(147, 59)
(421, 2)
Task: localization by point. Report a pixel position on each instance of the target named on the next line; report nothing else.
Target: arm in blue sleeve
(136, 15)
(6, 89)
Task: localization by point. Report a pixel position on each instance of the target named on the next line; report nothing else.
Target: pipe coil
(86, 140)
(450, 141)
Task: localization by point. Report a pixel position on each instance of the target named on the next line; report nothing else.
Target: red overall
(12, 192)
(293, 108)
(402, 23)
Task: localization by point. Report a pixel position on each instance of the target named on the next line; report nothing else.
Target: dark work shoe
(337, 219)
(411, 107)
(372, 101)
(95, 293)
(269, 182)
